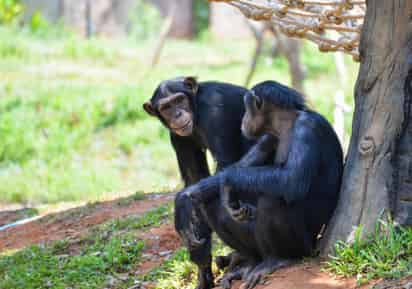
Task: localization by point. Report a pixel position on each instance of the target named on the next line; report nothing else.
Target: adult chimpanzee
(295, 194)
(200, 116)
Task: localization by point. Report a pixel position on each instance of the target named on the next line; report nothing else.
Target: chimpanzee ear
(259, 102)
(147, 106)
(192, 83)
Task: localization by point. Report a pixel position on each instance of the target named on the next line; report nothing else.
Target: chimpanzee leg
(196, 235)
(281, 229)
(282, 235)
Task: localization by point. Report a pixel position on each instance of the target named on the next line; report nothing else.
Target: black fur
(218, 111)
(280, 95)
(294, 200)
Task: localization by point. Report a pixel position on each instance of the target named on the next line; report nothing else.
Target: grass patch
(178, 272)
(153, 218)
(39, 267)
(104, 254)
(386, 254)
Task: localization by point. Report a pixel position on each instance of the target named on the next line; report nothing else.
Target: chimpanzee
(200, 116)
(275, 210)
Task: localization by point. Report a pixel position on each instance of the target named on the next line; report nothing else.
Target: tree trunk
(378, 172)
(183, 22)
(290, 48)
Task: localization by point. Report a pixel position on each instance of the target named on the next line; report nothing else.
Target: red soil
(160, 243)
(304, 276)
(75, 222)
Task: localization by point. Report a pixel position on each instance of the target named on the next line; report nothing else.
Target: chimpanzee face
(254, 120)
(172, 104)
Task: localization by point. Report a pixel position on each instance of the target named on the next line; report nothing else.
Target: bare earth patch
(7, 217)
(304, 276)
(160, 242)
(75, 222)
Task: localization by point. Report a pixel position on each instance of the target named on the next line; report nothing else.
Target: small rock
(165, 253)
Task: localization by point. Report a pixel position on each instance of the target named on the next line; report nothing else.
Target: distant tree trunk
(378, 172)
(163, 35)
(89, 20)
(259, 37)
(183, 22)
(60, 9)
(290, 48)
(182, 26)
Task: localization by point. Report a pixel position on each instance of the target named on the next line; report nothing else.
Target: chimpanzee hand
(245, 213)
(187, 224)
(238, 210)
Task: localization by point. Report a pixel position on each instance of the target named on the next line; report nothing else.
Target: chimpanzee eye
(179, 99)
(166, 106)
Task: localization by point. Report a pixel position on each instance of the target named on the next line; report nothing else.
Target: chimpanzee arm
(208, 189)
(191, 159)
(259, 154)
(290, 181)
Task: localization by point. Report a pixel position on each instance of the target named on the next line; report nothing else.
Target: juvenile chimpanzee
(295, 194)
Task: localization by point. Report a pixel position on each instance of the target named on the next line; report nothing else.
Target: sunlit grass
(71, 121)
(385, 254)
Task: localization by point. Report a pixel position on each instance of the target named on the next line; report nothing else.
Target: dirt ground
(160, 242)
(310, 276)
(304, 276)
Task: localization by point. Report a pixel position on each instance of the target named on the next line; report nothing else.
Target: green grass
(71, 121)
(95, 261)
(178, 272)
(38, 267)
(385, 254)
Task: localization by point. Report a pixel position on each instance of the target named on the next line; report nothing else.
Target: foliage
(10, 10)
(38, 22)
(385, 254)
(201, 16)
(145, 20)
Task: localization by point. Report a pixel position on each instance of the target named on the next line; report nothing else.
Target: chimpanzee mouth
(183, 127)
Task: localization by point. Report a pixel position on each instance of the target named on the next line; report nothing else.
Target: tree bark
(290, 48)
(183, 22)
(378, 173)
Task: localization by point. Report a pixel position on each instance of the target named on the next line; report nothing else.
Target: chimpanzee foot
(229, 261)
(265, 268)
(205, 279)
(226, 281)
(234, 274)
